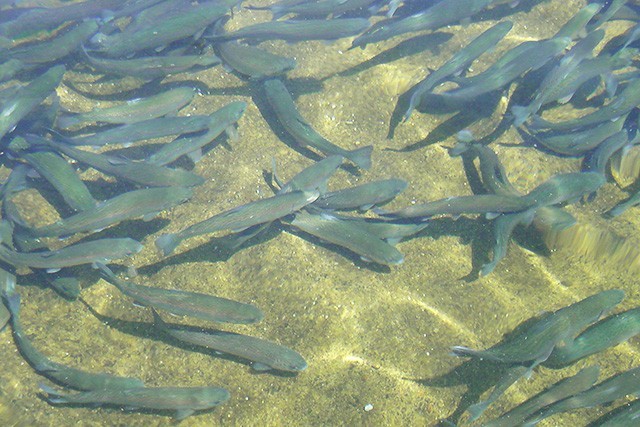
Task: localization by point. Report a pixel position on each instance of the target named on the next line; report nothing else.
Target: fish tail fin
(157, 320)
(12, 301)
(462, 351)
(167, 243)
(487, 268)
(361, 157)
(520, 114)
(54, 396)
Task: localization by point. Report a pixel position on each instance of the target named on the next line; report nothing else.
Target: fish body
(252, 61)
(566, 187)
(129, 205)
(313, 177)
(460, 61)
(189, 21)
(536, 343)
(102, 250)
(23, 101)
(62, 374)
(362, 196)
(299, 30)
(616, 387)
(476, 204)
(193, 304)
(146, 129)
(567, 387)
(622, 104)
(348, 235)
(607, 333)
(219, 121)
(264, 354)
(62, 176)
(296, 125)
(151, 67)
(241, 217)
(139, 172)
(440, 14)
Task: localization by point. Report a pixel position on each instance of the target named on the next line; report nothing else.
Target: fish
(298, 30)
(310, 178)
(16, 106)
(577, 24)
(622, 104)
(144, 203)
(151, 67)
(134, 110)
(362, 197)
(477, 204)
(189, 21)
(101, 250)
(139, 131)
(139, 172)
(431, 18)
(607, 333)
(56, 48)
(220, 121)
(317, 8)
(458, 62)
(627, 417)
(503, 227)
(577, 142)
(612, 388)
(183, 400)
(385, 229)
(619, 209)
(525, 57)
(348, 235)
(285, 109)
(535, 344)
(69, 377)
(264, 355)
(565, 66)
(59, 173)
(241, 217)
(184, 303)
(565, 187)
(562, 389)
(252, 61)
(38, 19)
(597, 160)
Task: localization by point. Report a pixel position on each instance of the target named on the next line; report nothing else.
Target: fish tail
(54, 396)
(361, 157)
(167, 243)
(520, 114)
(157, 320)
(12, 301)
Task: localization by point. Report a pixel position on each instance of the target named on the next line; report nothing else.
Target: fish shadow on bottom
(148, 330)
(216, 249)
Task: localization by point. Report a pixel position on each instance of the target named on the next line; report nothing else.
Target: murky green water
(371, 335)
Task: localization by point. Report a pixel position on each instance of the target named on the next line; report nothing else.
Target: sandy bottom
(375, 338)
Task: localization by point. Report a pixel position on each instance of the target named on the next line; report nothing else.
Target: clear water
(371, 335)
